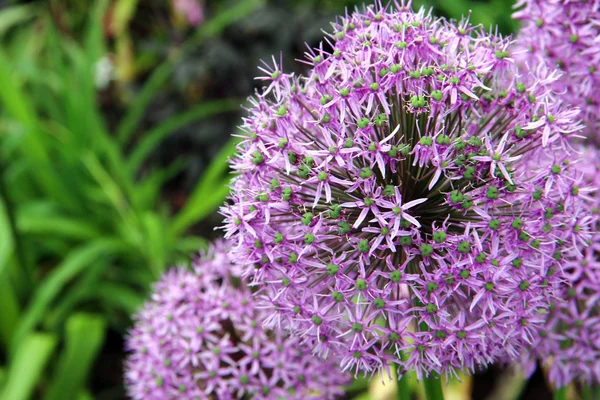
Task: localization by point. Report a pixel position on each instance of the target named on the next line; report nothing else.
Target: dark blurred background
(115, 127)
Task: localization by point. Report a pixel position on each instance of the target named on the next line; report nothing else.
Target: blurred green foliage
(84, 225)
(489, 13)
(83, 230)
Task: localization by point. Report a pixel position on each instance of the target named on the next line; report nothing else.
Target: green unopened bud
(439, 236)
(363, 245)
(361, 284)
(332, 269)
(307, 218)
(365, 173)
(426, 250)
(363, 122)
(464, 247)
(395, 276)
(437, 95)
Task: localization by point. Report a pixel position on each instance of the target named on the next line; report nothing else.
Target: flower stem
(590, 392)
(433, 388)
(403, 392)
(560, 393)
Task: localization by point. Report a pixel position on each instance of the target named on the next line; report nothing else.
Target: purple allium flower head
(570, 342)
(405, 202)
(201, 337)
(565, 33)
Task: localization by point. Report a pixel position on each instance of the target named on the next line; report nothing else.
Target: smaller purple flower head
(200, 337)
(569, 344)
(565, 34)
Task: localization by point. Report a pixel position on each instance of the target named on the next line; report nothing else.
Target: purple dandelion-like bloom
(570, 342)
(565, 34)
(201, 337)
(408, 200)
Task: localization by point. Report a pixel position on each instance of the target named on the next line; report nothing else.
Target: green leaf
(148, 188)
(118, 295)
(78, 292)
(161, 74)
(20, 108)
(53, 284)
(6, 238)
(122, 14)
(209, 193)
(9, 316)
(107, 184)
(560, 393)
(65, 227)
(190, 244)
(14, 15)
(155, 242)
(27, 365)
(94, 40)
(84, 337)
(154, 137)
(85, 396)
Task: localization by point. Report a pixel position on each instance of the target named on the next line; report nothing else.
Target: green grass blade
(560, 393)
(161, 74)
(27, 365)
(84, 337)
(6, 239)
(122, 14)
(209, 193)
(154, 137)
(77, 293)
(110, 188)
(9, 316)
(15, 15)
(94, 40)
(190, 244)
(34, 148)
(84, 396)
(118, 295)
(12, 97)
(56, 225)
(148, 189)
(53, 284)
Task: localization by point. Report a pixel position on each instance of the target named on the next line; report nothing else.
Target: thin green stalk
(560, 393)
(590, 392)
(433, 388)
(27, 272)
(403, 392)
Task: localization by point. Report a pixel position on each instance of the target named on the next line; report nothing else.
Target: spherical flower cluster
(408, 201)
(570, 343)
(201, 337)
(566, 33)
